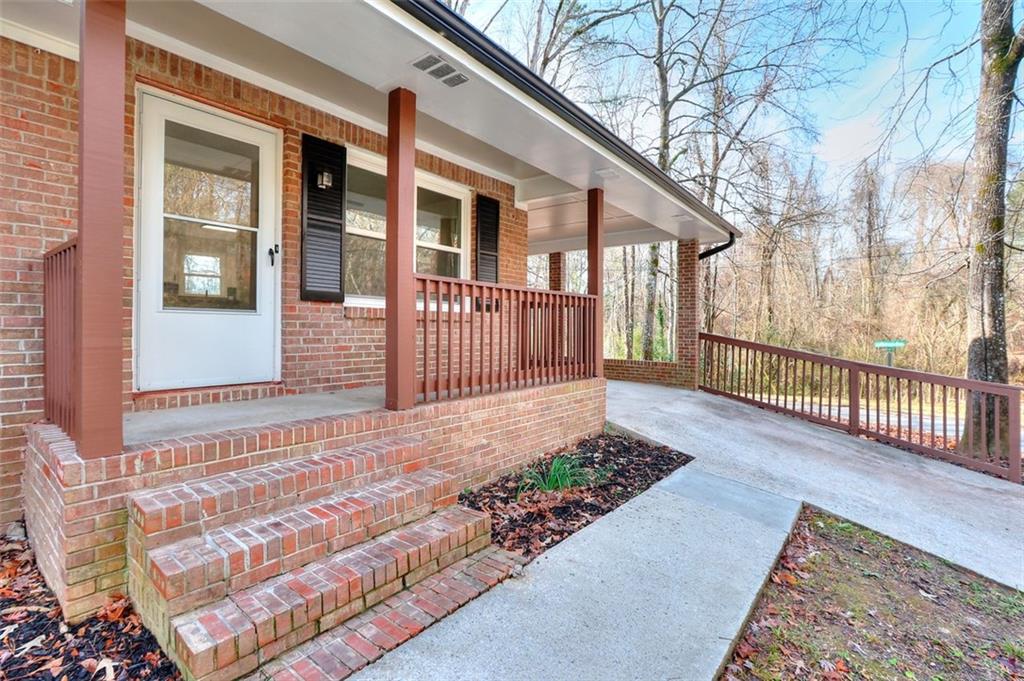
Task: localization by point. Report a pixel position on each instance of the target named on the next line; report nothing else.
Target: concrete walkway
(971, 519)
(657, 589)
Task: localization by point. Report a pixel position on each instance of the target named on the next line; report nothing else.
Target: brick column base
(556, 271)
(688, 313)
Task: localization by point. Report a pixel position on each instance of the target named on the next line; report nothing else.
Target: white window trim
(375, 163)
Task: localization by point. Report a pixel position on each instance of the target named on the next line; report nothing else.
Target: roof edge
(464, 35)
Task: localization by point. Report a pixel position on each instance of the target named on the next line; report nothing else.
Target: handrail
(909, 374)
(59, 272)
(477, 337)
(973, 423)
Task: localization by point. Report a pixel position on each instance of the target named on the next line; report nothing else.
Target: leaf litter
(36, 643)
(531, 522)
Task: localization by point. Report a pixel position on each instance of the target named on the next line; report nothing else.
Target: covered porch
(574, 185)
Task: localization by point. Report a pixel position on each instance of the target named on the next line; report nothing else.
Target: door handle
(272, 252)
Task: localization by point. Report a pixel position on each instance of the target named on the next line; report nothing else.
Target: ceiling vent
(436, 66)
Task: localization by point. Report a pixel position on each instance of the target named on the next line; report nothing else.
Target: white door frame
(273, 216)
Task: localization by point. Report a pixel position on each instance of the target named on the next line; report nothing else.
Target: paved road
(969, 518)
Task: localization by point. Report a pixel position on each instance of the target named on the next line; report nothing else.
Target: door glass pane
(364, 265)
(208, 266)
(438, 263)
(365, 201)
(211, 183)
(438, 218)
(210, 177)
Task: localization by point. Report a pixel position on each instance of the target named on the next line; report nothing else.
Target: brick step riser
(190, 509)
(344, 650)
(255, 626)
(186, 577)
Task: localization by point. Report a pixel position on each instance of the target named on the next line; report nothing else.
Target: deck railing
(973, 423)
(59, 266)
(475, 337)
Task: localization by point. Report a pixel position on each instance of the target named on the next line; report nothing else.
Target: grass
(845, 602)
(562, 472)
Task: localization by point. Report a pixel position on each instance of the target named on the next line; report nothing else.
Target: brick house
(263, 300)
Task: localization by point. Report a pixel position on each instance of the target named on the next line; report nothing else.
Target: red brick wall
(76, 510)
(325, 346)
(688, 312)
(683, 372)
(38, 210)
(556, 271)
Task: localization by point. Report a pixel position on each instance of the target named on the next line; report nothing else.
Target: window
(202, 275)
(441, 236)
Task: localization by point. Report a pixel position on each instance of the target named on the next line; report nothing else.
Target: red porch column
(595, 271)
(556, 271)
(98, 288)
(687, 312)
(400, 296)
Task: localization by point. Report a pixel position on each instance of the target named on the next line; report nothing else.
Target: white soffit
(376, 43)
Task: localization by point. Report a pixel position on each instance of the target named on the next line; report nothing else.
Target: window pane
(365, 201)
(439, 263)
(210, 177)
(207, 266)
(364, 266)
(438, 218)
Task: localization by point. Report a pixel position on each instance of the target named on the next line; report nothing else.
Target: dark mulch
(535, 521)
(36, 643)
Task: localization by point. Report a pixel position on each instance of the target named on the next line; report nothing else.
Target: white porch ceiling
(345, 57)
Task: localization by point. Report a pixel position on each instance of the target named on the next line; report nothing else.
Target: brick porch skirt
(76, 510)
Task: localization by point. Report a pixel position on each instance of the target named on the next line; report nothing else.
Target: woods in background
(716, 93)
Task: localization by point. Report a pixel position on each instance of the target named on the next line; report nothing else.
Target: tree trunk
(629, 275)
(647, 346)
(986, 289)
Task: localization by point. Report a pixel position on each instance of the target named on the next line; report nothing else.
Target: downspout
(719, 248)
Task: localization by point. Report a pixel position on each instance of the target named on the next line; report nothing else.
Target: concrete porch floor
(163, 424)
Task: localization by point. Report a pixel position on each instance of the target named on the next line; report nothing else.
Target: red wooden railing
(972, 423)
(474, 337)
(59, 265)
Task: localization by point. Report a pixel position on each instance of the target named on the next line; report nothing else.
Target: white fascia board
(410, 23)
(38, 39)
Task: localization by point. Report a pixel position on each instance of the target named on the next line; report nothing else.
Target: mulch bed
(36, 643)
(534, 521)
(845, 603)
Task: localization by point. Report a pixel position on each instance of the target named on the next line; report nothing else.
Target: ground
(530, 522)
(845, 602)
(36, 643)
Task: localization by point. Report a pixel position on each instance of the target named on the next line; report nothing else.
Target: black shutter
(488, 221)
(323, 221)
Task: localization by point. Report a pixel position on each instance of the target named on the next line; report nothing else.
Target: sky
(852, 116)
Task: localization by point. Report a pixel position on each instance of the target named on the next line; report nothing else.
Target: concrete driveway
(971, 519)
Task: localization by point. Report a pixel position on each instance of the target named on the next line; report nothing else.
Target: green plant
(561, 473)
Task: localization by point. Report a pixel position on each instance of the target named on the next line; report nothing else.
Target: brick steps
(171, 514)
(347, 648)
(196, 571)
(233, 636)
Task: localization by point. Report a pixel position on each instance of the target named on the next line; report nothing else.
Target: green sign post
(890, 347)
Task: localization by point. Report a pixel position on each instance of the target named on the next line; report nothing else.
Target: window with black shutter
(323, 220)
(488, 220)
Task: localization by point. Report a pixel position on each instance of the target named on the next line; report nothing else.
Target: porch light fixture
(324, 179)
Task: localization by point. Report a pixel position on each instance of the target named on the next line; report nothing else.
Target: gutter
(715, 250)
(461, 33)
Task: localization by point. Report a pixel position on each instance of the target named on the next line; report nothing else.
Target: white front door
(207, 311)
